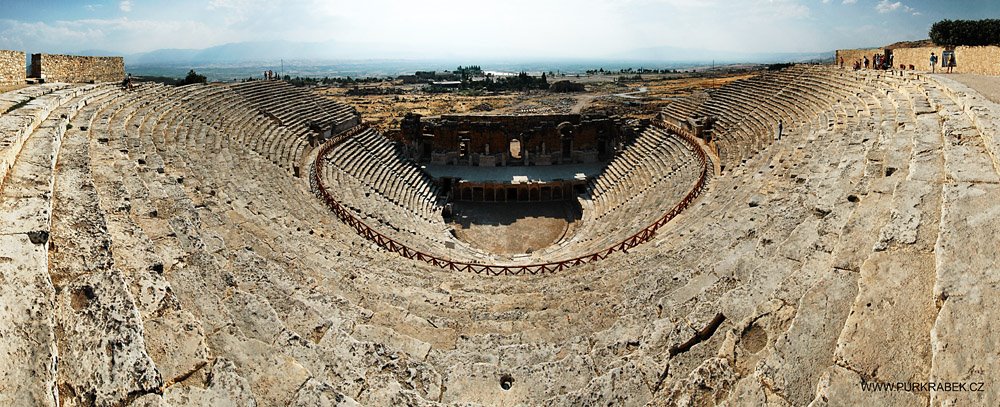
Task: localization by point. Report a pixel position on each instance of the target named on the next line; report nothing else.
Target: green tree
(193, 77)
(952, 33)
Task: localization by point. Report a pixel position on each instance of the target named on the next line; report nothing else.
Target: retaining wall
(851, 55)
(920, 58)
(71, 68)
(978, 60)
(11, 67)
(981, 60)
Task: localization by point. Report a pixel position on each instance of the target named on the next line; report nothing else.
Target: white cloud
(884, 6)
(446, 28)
(119, 35)
(789, 9)
(235, 11)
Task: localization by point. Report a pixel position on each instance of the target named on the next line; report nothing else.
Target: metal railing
(401, 249)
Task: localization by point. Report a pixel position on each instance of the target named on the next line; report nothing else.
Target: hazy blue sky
(509, 28)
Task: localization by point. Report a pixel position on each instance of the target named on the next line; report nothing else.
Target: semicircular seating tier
(747, 112)
(157, 249)
(366, 174)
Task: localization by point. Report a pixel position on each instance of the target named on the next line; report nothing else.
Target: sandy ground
(511, 228)
(8, 88)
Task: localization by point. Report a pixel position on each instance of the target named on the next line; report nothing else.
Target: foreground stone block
(27, 329)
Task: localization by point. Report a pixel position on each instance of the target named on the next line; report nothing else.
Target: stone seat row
(230, 113)
(13, 99)
(295, 106)
(642, 150)
(745, 124)
(32, 107)
(372, 158)
(387, 217)
(658, 163)
(641, 184)
(207, 275)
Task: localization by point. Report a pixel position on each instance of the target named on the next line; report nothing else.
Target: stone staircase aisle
(964, 339)
(895, 275)
(32, 136)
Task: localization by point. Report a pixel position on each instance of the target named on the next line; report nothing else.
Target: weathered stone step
(963, 344)
(27, 324)
(16, 127)
(95, 309)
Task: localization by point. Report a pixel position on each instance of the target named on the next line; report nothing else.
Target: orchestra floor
(513, 228)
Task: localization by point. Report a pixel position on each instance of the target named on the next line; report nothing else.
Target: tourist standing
(866, 62)
(951, 62)
(933, 62)
(780, 128)
(841, 62)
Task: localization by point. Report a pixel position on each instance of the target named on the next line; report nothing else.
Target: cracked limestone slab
(226, 388)
(101, 341)
(176, 343)
(913, 218)
(274, 376)
(795, 364)
(860, 232)
(841, 387)
(966, 158)
(964, 341)
(895, 300)
(28, 372)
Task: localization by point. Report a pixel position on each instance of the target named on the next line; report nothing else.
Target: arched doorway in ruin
(566, 131)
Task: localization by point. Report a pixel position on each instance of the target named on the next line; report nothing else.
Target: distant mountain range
(259, 51)
(722, 57)
(247, 59)
(239, 52)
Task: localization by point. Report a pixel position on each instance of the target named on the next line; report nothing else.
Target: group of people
(878, 61)
(269, 75)
(949, 63)
(884, 62)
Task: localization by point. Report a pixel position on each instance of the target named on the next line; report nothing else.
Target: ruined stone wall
(851, 55)
(979, 60)
(71, 68)
(11, 67)
(498, 131)
(920, 57)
